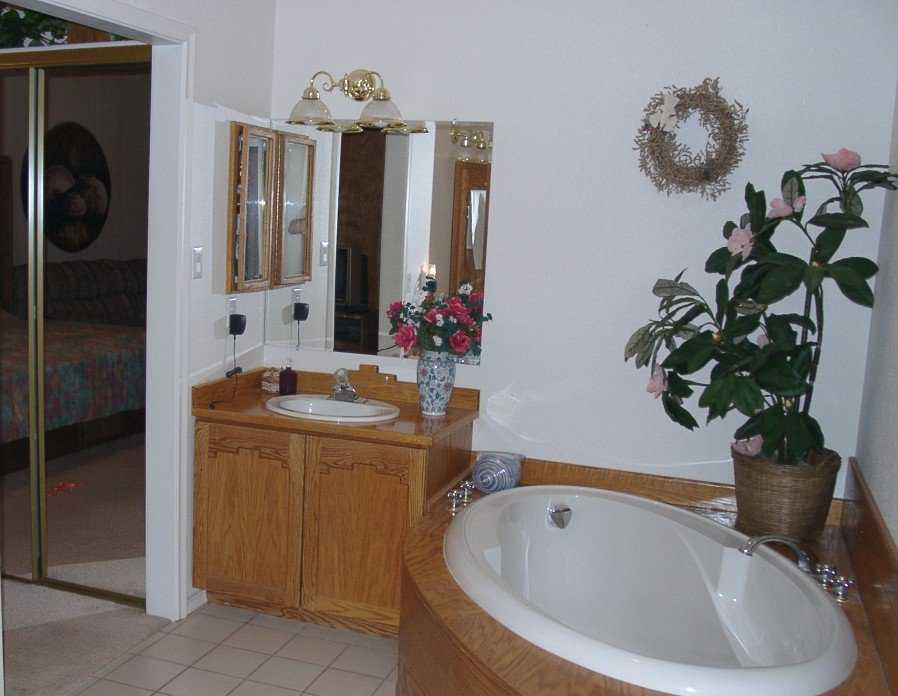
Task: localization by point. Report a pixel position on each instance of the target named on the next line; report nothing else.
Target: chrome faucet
(802, 557)
(342, 389)
(559, 515)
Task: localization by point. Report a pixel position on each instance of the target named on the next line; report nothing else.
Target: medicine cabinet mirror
(269, 208)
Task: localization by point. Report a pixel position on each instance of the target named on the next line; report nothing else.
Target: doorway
(74, 175)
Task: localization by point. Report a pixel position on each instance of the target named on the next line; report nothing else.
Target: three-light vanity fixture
(380, 113)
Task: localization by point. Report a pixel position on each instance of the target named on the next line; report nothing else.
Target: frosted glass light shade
(310, 112)
(379, 113)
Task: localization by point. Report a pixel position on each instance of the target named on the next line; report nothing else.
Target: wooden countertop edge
(489, 644)
(456, 419)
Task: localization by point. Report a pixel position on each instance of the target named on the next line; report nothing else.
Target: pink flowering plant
(763, 360)
(443, 324)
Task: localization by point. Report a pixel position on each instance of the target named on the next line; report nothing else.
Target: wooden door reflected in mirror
(469, 224)
(291, 250)
(251, 187)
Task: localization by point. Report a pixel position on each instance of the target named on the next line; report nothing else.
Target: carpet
(78, 637)
(96, 512)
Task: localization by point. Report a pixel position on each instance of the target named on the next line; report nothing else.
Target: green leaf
(678, 386)
(780, 331)
(728, 229)
(718, 396)
(781, 282)
(852, 284)
(813, 276)
(851, 202)
(692, 355)
(750, 307)
(742, 326)
(799, 320)
(751, 279)
(802, 435)
(773, 429)
(672, 288)
(792, 186)
(778, 377)
(846, 221)
(757, 207)
(865, 268)
(828, 243)
(749, 428)
(640, 337)
(677, 413)
(722, 296)
(778, 259)
(747, 396)
(717, 261)
(801, 360)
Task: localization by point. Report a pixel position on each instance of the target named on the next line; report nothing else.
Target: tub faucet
(342, 389)
(802, 557)
(559, 515)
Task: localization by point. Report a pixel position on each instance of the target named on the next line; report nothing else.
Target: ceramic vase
(436, 377)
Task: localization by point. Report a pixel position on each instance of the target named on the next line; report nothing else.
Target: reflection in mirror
(293, 228)
(250, 190)
(400, 206)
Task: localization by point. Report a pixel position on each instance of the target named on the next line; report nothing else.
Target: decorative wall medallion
(671, 165)
(77, 188)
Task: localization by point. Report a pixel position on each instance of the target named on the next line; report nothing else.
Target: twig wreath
(671, 165)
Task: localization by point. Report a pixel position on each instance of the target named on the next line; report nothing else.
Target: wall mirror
(269, 208)
(400, 205)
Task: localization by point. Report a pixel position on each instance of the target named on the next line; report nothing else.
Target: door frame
(167, 441)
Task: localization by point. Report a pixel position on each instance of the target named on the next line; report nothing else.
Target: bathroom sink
(319, 407)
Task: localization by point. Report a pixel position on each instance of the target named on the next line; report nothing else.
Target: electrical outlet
(323, 255)
(197, 262)
(232, 305)
(296, 295)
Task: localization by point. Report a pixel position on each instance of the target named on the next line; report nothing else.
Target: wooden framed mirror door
(470, 207)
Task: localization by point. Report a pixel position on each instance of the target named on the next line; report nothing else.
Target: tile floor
(223, 651)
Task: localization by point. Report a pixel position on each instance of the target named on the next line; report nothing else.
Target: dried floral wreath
(672, 166)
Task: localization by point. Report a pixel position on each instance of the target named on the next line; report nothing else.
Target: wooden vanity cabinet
(307, 519)
(248, 514)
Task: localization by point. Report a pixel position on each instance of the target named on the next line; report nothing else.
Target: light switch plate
(196, 259)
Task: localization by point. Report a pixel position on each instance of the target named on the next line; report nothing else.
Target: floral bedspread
(91, 371)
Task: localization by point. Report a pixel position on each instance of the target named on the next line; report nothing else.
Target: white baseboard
(195, 600)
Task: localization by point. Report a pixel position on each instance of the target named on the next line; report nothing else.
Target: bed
(95, 363)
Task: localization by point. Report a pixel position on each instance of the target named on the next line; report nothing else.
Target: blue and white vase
(436, 377)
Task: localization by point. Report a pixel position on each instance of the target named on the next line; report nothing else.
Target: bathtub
(649, 594)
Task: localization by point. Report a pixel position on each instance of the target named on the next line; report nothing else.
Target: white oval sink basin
(322, 408)
(649, 594)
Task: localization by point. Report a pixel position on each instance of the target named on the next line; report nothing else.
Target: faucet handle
(341, 376)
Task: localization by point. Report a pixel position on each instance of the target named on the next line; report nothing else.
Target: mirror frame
(238, 164)
(282, 139)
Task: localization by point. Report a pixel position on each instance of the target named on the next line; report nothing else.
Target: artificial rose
(406, 336)
(779, 209)
(658, 383)
(476, 299)
(456, 307)
(394, 309)
(798, 204)
(432, 316)
(750, 447)
(844, 160)
(741, 241)
(460, 342)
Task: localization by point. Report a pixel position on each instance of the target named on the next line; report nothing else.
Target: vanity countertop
(410, 429)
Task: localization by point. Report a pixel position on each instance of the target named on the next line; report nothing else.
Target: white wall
(877, 446)
(577, 233)
(392, 231)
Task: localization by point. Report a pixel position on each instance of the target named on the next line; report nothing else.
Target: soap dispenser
(288, 380)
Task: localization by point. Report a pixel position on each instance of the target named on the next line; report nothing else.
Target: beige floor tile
(280, 623)
(180, 649)
(289, 674)
(310, 649)
(145, 672)
(388, 688)
(144, 644)
(249, 688)
(335, 682)
(363, 640)
(231, 661)
(222, 611)
(259, 639)
(338, 635)
(209, 628)
(108, 688)
(196, 682)
(115, 664)
(374, 663)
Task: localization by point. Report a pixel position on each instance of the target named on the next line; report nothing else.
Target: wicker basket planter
(791, 500)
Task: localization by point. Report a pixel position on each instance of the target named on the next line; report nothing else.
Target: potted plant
(440, 330)
(763, 360)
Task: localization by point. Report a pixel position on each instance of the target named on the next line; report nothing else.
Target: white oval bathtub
(649, 594)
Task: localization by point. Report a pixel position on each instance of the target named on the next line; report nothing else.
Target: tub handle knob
(559, 515)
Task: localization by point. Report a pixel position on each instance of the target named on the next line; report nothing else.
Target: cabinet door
(248, 516)
(360, 500)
